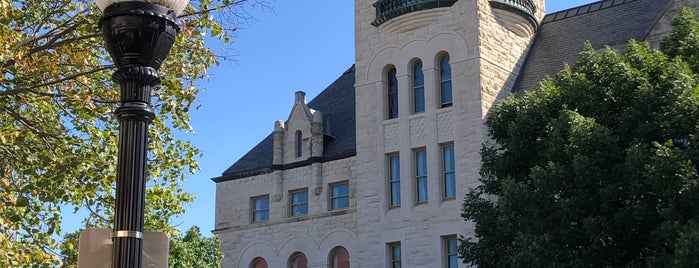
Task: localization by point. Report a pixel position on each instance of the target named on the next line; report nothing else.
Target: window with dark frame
(448, 171)
(418, 88)
(339, 195)
(339, 258)
(298, 260)
(299, 143)
(445, 93)
(394, 180)
(421, 176)
(260, 208)
(259, 263)
(298, 202)
(392, 93)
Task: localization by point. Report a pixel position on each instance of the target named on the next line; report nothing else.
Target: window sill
(390, 120)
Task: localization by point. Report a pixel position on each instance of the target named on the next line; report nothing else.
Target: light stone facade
(487, 47)
(368, 225)
(315, 234)
(484, 57)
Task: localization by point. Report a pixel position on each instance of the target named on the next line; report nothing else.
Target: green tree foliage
(597, 167)
(69, 249)
(58, 134)
(195, 251)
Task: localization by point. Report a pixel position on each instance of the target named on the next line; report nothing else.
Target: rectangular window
(421, 175)
(394, 255)
(298, 202)
(418, 88)
(339, 195)
(260, 208)
(451, 254)
(445, 82)
(394, 180)
(448, 171)
(299, 143)
(392, 93)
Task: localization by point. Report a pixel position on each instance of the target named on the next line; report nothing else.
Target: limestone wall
(276, 240)
(484, 56)
(663, 27)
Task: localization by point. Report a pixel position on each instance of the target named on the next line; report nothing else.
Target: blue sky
(296, 45)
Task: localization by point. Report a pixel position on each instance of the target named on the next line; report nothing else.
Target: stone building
(373, 170)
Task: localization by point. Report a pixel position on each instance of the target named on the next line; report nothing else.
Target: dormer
(300, 138)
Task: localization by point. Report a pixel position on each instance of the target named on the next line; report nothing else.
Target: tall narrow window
(392, 90)
(298, 260)
(298, 203)
(299, 143)
(339, 258)
(418, 88)
(260, 208)
(448, 171)
(394, 180)
(339, 195)
(445, 82)
(421, 175)
(451, 254)
(394, 255)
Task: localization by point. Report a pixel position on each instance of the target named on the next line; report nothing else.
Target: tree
(58, 135)
(597, 167)
(195, 251)
(69, 249)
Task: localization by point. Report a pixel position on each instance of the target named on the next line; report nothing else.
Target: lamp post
(138, 35)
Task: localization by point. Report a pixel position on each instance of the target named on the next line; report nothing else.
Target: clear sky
(297, 45)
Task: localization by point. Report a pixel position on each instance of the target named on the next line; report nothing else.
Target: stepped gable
(336, 103)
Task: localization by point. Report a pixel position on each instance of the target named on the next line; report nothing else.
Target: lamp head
(139, 32)
(176, 6)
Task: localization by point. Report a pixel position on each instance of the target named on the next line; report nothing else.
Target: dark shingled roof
(336, 103)
(562, 34)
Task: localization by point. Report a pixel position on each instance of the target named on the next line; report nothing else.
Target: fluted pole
(135, 115)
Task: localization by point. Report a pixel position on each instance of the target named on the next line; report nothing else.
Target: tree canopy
(58, 134)
(195, 251)
(597, 167)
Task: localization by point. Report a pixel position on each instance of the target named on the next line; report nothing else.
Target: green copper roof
(524, 8)
(388, 9)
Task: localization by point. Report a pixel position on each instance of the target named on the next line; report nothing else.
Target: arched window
(392, 93)
(445, 82)
(258, 263)
(298, 260)
(339, 258)
(418, 88)
(299, 143)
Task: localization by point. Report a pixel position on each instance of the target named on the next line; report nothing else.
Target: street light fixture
(138, 35)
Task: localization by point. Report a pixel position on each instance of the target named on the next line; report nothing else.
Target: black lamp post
(138, 35)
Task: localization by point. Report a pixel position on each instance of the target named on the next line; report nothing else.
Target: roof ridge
(579, 10)
(351, 69)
